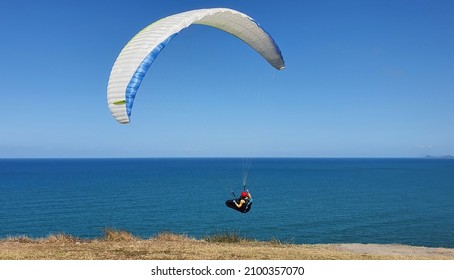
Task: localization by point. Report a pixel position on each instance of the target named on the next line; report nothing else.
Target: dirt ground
(397, 250)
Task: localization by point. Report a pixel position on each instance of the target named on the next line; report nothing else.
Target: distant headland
(440, 157)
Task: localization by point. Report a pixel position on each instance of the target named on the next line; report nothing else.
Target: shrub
(118, 235)
(228, 237)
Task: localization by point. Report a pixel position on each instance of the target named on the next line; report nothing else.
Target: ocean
(311, 201)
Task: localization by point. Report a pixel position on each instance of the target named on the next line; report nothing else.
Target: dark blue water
(405, 201)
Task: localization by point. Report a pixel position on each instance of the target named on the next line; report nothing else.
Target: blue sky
(362, 79)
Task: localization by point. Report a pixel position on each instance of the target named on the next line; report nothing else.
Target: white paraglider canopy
(137, 56)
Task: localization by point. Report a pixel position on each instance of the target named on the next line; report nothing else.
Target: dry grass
(122, 245)
(112, 235)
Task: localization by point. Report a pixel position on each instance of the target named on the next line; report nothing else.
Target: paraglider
(242, 204)
(139, 53)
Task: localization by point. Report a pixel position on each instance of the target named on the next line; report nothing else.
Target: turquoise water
(405, 201)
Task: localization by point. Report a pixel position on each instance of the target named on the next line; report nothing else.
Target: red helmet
(244, 194)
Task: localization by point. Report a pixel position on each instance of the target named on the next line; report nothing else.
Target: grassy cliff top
(121, 245)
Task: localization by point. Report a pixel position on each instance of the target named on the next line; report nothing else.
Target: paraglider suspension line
(246, 167)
